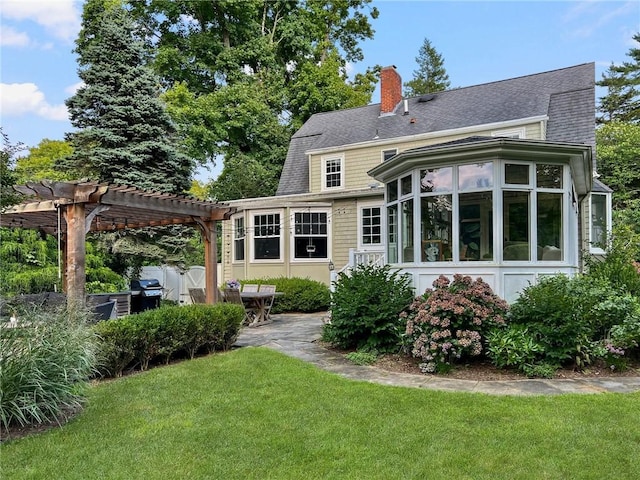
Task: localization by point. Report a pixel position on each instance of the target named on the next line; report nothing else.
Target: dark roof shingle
(566, 96)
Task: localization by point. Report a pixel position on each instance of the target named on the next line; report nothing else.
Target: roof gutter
(430, 135)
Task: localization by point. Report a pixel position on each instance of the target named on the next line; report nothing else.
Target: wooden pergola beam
(92, 206)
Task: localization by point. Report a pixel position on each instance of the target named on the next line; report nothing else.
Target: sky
(480, 42)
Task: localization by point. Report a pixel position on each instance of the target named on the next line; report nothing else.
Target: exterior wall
(506, 281)
(345, 230)
(357, 161)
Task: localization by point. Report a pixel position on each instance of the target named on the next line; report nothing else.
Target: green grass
(256, 414)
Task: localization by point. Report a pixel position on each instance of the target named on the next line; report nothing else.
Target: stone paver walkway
(296, 335)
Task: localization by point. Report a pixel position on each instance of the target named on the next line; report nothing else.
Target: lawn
(255, 413)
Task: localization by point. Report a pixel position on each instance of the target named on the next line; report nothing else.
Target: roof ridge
(509, 79)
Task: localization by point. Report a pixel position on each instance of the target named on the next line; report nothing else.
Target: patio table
(259, 301)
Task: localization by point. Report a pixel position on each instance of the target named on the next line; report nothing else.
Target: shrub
(45, 362)
(617, 266)
(299, 294)
(365, 308)
(513, 346)
(449, 322)
(565, 315)
(362, 357)
(159, 334)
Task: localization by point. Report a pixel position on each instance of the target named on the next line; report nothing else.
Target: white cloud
(72, 89)
(26, 98)
(590, 16)
(61, 18)
(12, 38)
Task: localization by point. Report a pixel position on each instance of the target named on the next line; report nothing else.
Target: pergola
(72, 209)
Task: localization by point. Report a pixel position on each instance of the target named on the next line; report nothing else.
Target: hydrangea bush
(450, 321)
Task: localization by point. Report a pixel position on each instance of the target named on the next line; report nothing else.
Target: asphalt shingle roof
(567, 96)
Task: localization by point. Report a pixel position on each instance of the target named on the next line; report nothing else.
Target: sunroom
(504, 209)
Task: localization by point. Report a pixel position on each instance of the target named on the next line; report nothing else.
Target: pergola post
(76, 253)
(208, 231)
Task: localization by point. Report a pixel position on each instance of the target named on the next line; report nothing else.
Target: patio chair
(197, 295)
(250, 287)
(232, 295)
(269, 304)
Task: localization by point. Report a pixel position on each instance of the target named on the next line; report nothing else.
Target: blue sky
(480, 42)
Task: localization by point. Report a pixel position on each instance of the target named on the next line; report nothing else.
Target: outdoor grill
(145, 294)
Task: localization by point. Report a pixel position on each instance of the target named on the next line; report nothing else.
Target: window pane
(371, 226)
(392, 191)
(475, 176)
(476, 226)
(516, 174)
(548, 176)
(516, 226)
(549, 217)
(435, 228)
(333, 173)
(387, 154)
(407, 231)
(599, 225)
(311, 247)
(310, 232)
(266, 233)
(436, 180)
(392, 234)
(267, 248)
(238, 239)
(405, 185)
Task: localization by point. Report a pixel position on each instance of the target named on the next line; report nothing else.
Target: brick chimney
(390, 89)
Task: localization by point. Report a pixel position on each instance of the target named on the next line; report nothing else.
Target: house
(495, 180)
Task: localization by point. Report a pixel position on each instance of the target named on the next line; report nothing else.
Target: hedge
(161, 334)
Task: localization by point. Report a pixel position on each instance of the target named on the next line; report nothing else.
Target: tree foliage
(8, 177)
(241, 75)
(430, 76)
(619, 160)
(622, 101)
(124, 134)
(41, 162)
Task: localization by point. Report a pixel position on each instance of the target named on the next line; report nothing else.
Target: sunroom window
(266, 236)
(310, 235)
(457, 210)
(238, 239)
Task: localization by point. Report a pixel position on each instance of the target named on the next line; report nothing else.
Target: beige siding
(345, 230)
(360, 160)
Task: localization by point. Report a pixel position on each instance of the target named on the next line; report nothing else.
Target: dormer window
(332, 172)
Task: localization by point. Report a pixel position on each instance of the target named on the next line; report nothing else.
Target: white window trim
(250, 236)
(372, 246)
(510, 133)
(382, 152)
(292, 235)
(592, 248)
(323, 172)
(234, 238)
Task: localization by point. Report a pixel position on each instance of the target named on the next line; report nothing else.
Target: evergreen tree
(124, 135)
(430, 76)
(622, 101)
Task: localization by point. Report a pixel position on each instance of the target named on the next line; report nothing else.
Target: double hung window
(266, 236)
(311, 238)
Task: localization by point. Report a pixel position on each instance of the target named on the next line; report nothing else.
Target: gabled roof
(566, 96)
